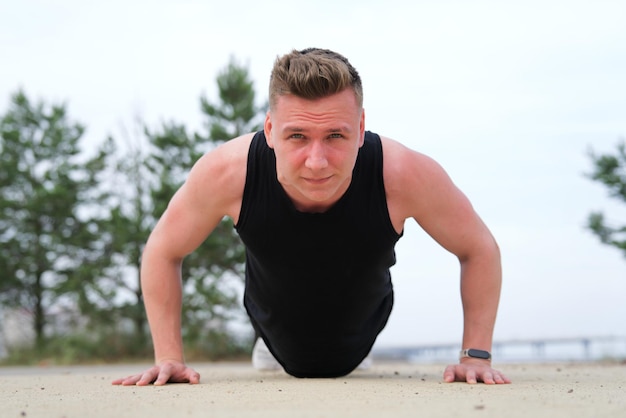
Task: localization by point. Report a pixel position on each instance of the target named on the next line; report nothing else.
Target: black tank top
(318, 287)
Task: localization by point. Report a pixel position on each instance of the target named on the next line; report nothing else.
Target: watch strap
(475, 353)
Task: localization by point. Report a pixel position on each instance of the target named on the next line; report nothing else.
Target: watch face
(472, 352)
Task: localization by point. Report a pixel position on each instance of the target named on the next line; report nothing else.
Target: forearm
(481, 280)
(162, 292)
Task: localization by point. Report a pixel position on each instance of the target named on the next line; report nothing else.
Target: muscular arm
(213, 190)
(418, 188)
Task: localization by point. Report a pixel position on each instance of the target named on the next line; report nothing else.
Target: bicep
(183, 226)
(450, 219)
(212, 191)
(430, 197)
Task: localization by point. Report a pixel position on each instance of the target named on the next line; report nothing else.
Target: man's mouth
(317, 180)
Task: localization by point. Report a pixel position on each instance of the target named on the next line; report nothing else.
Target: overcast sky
(507, 96)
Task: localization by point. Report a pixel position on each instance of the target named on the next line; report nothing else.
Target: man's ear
(362, 128)
(267, 128)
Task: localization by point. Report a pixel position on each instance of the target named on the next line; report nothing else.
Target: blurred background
(105, 107)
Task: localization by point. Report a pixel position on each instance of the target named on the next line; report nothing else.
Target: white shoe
(366, 364)
(262, 359)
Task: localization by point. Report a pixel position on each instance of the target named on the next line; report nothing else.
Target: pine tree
(48, 212)
(610, 170)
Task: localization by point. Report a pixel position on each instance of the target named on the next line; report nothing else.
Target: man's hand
(473, 371)
(166, 371)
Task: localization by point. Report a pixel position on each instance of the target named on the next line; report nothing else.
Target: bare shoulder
(411, 180)
(218, 178)
(213, 189)
(406, 167)
(418, 187)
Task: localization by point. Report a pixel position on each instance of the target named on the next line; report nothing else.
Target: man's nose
(316, 158)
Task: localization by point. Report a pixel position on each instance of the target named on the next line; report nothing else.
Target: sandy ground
(387, 389)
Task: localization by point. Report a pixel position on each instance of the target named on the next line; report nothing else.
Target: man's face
(316, 143)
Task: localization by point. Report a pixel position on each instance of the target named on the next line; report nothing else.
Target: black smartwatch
(475, 353)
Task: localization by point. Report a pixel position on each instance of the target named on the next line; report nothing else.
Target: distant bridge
(535, 349)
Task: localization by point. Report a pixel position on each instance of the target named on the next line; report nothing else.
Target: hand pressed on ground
(474, 371)
(165, 372)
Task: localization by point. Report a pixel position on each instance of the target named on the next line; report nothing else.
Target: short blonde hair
(312, 74)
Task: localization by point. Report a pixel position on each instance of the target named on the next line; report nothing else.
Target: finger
(470, 377)
(131, 381)
(118, 381)
(449, 374)
(126, 381)
(194, 378)
(488, 378)
(147, 377)
(164, 375)
(502, 379)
